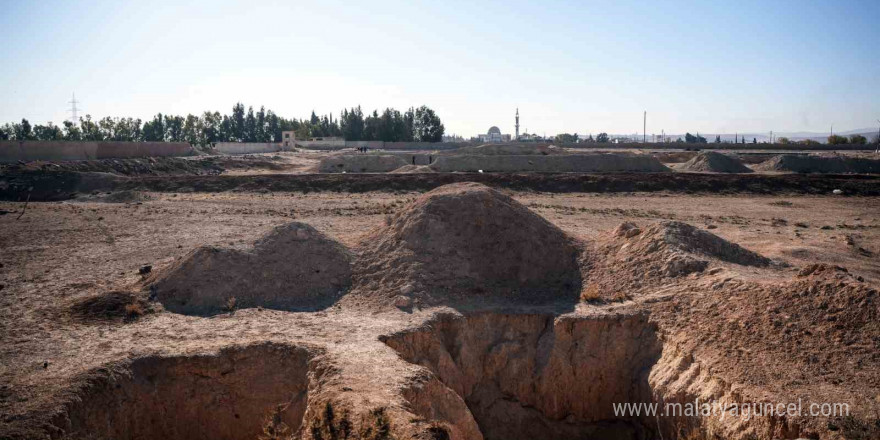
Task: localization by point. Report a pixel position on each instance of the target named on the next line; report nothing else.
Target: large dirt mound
(294, 267)
(632, 257)
(555, 163)
(360, 163)
(711, 161)
(466, 240)
(506, 150)
(821, 164)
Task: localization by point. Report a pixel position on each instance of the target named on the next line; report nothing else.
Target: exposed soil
(50, 186)
(713, 162)
(294, 267)
(716, 297)
(465, 241)
(821, 164)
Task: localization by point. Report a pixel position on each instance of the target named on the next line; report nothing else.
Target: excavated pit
(528, 376)
(232, 394)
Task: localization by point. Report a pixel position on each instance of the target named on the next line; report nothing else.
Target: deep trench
(534, 376)
(230, 395)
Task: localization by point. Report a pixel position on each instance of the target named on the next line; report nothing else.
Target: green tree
(837, 140)
(48, 132)
(90, 130)
(237, 120)
(174, 128)
(783, 140)
(23, 131)
(154, 130)
(427, 126)
(602, 138)
(858, 139)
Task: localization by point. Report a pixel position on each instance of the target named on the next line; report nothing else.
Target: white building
(494, 135)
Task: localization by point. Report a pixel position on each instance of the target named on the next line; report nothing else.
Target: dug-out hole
(536, 376)
(232, 394)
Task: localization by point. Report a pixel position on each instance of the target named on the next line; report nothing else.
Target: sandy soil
(60, 252)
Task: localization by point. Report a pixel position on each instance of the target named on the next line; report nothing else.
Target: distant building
(288, 139)
(494, 135)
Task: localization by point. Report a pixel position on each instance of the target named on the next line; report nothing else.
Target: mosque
(494, 134)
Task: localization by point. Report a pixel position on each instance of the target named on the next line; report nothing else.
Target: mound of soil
(814, 337)
(294, 267)
(109, 306)
(821, 164)
(711, 161)
(634, 257)
(506, 150)
(558, 163)
(360, 163)
(466, 239)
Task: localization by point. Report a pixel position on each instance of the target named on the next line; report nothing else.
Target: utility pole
(73, 110)
(644, 127)
(877, 150)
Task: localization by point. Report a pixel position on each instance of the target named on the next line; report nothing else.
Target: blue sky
(579, 66)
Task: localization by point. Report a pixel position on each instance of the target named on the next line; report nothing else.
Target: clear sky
(570, 66)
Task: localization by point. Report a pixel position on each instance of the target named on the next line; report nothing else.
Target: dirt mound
(109, 306)
(633, 257)
(711, 161)
(466, 239)
(506, 150)
(821, 164)
(360, 163)
(556, 163)
(411, 169)
(294, 267)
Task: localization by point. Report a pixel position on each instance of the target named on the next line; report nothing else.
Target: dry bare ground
(472, 313)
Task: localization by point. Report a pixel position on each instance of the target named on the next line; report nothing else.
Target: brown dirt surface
(294, 267)
(360, 163)
(821, 164)
(63, 185)
(78, 361)
(714, 162)
(466, 240)
(409, 169)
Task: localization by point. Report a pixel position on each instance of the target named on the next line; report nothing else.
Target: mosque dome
(494, 129)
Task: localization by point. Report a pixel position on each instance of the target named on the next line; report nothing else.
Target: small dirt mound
(466, 240)
(633, 257)
(360, 163)
(294, 267)
(109, 306)
(711, 161)
(821, 164)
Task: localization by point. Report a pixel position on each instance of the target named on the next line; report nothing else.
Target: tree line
(413, 125)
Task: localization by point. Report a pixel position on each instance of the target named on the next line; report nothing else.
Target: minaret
(517, 124)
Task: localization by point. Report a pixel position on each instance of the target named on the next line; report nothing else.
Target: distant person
(414, 160)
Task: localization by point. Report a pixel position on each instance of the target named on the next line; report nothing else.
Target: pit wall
(246, 147)
(551, 163)
(375, 145)
(14, 151)
(229, 395)
(532, 376)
